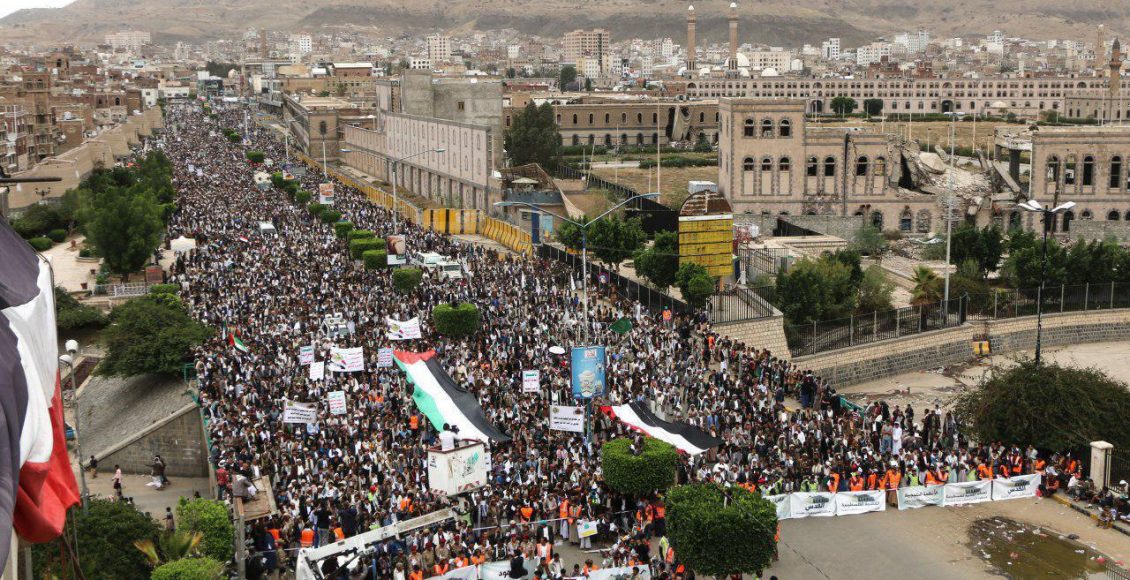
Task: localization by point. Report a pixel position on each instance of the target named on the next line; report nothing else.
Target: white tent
(182, 244)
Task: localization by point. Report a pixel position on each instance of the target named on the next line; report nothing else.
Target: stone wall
(954, 345)
(179, 440)
(1100, 229)
(829, 225)
(761, 333)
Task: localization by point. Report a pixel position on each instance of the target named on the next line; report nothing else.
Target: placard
(384, 357)
(347, 360)
(531, 381)
(306, 354)
(849, 503)
(586, 529)
(326, 193)
(397, 250)
(918, 496)
(1016, 487)
(967, 492)
(336, 400)
(299, 413)
(403, 330)
(588, 372)
(571, 419)
(318, 370)
(811, 504)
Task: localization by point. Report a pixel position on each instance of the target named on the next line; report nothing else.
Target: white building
(763, 59)
(830, 49)
(420, 63)
(872, 53)
(301, 44)
(914, 42)
(513, 51)
(127, 39)
(439, 48)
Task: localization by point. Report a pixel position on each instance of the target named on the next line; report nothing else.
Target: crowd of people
(349, 473)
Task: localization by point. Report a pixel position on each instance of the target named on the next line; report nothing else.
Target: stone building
(636, 122)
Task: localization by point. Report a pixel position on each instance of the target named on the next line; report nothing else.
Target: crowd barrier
(791, 506)
(501, 571)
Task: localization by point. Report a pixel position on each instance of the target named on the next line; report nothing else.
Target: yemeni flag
(442, 401)
(686, 438)
(237, 342)
(36, 482)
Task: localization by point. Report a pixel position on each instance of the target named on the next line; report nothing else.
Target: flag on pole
(622, 326)
(234, 340)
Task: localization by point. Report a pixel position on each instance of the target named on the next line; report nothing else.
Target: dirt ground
(674, 180)
(936, 132)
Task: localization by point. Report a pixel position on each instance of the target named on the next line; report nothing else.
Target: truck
(450, 270)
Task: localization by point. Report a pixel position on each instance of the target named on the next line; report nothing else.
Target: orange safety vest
(574, 513)
(670, 555)
(460, 562)
(1004, 470)
(984, 472)
(307, 538)
(856, 484)
(339, 533)
(417, 575)
(835, 484)
(274, 534)
(873, 481)
(661, 512)
(441, 570)
(414, 422)
(563, 510)
(930, 479)
(893, 479)
(476, 560)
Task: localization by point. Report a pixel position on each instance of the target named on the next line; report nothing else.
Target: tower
(1100, 48)
(1115, 83)
(732, 62)
(692, 56)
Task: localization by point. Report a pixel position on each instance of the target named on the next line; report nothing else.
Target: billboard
(326, 193)
(588, 372)
(460, 470)
(397, 250)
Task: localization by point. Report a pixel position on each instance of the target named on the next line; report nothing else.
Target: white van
(450, 270)
(428, 260)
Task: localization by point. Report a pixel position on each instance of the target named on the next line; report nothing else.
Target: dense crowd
(367, 468)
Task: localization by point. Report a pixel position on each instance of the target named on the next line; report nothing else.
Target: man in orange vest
(416, 574)
(566, 521)
(441, 568)
(856, 482)
(891, 480)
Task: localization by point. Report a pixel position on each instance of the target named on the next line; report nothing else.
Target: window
(1088, 171)
(829, 167)
(1115, 172)
(766, 164)
(880, 166)
(877, 219)
(784, 164)
(749, 127)
(1068, 217)
(639, 118)
(1113, 215)
(654, 118)
(1087, 215)
(462, 106)
(813, 167)
(702, 117)
(607, 118)
(1053, 169)
(861, 165)
(574, 117)
(906, 221)
(322, 127)
(590, 118)
(766, 128)
(747, 164)
(623, 117)
(785, 128)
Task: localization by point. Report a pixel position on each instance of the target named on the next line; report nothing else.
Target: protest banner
(295, 412)
(811, 504)
(571, 419)
(967, 492)
(336, 400)
(317, 370)
(1016, 487)
(782, 503)
(403, 330)
(531, 381)
(850, 503)
(306, 354)
(326, 193)
(384, 357)
(586, 529)
(347, 360)
(918, 496)
(588, 372)
(464, 573)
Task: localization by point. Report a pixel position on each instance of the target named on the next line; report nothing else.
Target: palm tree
(173, 546)
(927, 286)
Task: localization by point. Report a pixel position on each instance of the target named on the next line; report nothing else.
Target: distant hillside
(777, 23)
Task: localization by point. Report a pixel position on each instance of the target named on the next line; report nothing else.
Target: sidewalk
(1089, 511)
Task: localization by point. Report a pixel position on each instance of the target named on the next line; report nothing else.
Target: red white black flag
(37, 484)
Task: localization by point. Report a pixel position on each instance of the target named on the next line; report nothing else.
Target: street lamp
(584, 241)
(394, 162)
(69, 360)
(1048, 218)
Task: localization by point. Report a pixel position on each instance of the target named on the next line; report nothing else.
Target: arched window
(322, 127)
(1113, 215)
(829, 166)
(639, 118)
(639, 138)
(1053, 169)
(861, 165)
(880, 166)
(1115, 172)
(813, 168)
(766, 164)
(702, 117)
(749, 127)
(1088, 172)
(906, 220)
(574, 118)
(784, 164)
(785, 128)
(877, 219)
(623, 117)
(607, 118)
(655, 118)
(1068, 217)
(766, 128)
(590, 118)
(1087, 215)
(747, 164)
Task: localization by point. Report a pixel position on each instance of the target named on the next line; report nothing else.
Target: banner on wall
(1016, 487)
(918, 496)
(781, 502)
(967, 492)
(811, 505)
(849, 503)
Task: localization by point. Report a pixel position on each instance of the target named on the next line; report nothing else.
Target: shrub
(163, 289)
(234, 137)
(316, 208)
(456, 320)
(342, 229)
(106, 532)
(638, 475)
(189, 569)
(277, 179)
(718, 532)
(406, 279)
(41, 244)
(255, 156)
(374, 259)
(302, 197)
(359, 247)
(331, 216)
(361, 235)
(291, 187)
(70, 314)
(86, 253)
(57, 236)
(211, 518)
(151, 334)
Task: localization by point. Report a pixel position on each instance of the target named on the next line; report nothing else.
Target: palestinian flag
(37, 484)
(234, 340)
(686, 438)
(442, 401)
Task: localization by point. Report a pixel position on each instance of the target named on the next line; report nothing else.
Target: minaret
(1115, 83)
(692, 56)
(1100, 48)
(732, 63)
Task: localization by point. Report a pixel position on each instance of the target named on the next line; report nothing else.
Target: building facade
(633, 123)
(589, 44)
(1087, 165)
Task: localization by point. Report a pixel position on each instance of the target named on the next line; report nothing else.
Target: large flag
(237, 342)
(686, 438)
(37, 484)
(442, 401)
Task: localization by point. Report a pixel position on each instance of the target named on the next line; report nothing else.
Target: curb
(1066, 502)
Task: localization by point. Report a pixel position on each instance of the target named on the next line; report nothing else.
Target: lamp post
(951, 203)
(584, 243)
(69, 360)
(1048, 216)
(394, 163)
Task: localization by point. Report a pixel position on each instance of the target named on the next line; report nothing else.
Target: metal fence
(815, 337)
(604, 279)
(121, 290)
(737, 304)
(1119, 465)
(1063, 298)
(764, 261)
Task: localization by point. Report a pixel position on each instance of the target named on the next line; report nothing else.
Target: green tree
(652, 470)
(1023, 268)
(928, 286)
(702, 144)
(170, 546)
(1026, 405)
(567, 77)
(984, 247)
(614, 240)
(695, 283)
(70, 314)
(660, 262)
(456, 320)
(570, 235)
(869, 241)
(875, 290)
(190, 569)
(405, 280)
(843, 105)
(125, 224)
(720, 531)
(824, 288)
(873, 107)
(588, 85)
(212, 519)
(533, 137)
(105, 532)
(151, 334)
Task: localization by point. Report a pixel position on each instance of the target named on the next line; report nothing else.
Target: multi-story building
(830, 49)
(300, 45)
(872, 53)
(593, 44)
(439, 48)
(128, 39)
(610, 122)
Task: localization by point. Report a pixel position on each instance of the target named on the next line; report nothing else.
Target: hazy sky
(9, 6)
